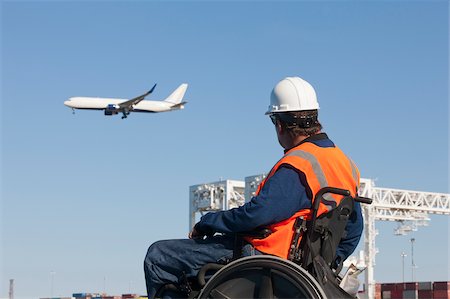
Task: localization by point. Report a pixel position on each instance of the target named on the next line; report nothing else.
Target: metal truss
(404, 202)
(216, 196)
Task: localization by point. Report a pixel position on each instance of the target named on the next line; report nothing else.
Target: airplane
(113, 106)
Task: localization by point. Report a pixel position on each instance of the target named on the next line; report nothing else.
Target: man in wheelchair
(308, 228)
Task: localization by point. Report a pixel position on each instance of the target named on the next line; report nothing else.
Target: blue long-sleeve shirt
(280, 198)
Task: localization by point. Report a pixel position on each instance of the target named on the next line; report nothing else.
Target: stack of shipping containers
(378, 291)
(392, 290)
(99, 296)
(408, 290)
(441, 290)
(413, 290)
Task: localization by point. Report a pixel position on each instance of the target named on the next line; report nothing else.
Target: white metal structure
(409, 208)
(113, 106)
(216, 196)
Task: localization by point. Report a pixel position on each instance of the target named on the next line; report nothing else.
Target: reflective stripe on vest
(330, 202)
(322, 167)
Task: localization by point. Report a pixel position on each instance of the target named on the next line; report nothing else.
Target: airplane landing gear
(125, 113)
(73, 111)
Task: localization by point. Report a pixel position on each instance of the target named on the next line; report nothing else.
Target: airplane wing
(134, 101)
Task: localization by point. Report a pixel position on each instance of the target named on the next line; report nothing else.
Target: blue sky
(84, 195)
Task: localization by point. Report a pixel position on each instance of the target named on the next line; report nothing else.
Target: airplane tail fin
(177, 95)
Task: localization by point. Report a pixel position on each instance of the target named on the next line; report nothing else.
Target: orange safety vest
(322, 167)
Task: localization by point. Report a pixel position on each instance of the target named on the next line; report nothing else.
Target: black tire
(262, 277)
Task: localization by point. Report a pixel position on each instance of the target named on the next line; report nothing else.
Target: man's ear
(280, 128)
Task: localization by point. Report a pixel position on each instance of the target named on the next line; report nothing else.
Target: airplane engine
(112, 109)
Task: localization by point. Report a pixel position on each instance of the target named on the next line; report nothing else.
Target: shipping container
(78, 295)
(441, 285)
(378, 291)
(411, 286)
(441, 294)
(392, 287)
(425, 294)
(397, 294)
(387, 287)
(426, 285)
(410, 294)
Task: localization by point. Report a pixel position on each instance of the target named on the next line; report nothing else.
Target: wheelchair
(309, 272)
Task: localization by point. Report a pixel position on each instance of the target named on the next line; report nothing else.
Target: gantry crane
(410, 209)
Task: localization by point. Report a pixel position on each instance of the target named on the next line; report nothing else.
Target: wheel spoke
(266, 288)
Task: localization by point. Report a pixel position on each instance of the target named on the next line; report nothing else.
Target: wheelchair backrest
(325, 232)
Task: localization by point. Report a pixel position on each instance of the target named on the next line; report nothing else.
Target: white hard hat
(292, 94)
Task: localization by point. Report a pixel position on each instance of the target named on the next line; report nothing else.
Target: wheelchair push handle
(319, 196)
(338, 191)
(365, 200)
(333, 190)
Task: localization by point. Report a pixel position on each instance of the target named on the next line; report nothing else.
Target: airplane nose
(67, 103)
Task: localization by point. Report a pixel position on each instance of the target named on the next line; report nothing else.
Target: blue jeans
(167, 261)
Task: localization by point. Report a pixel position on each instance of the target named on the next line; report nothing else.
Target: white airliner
(113, 106)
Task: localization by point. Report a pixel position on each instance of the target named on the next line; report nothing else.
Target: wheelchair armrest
(259, 233)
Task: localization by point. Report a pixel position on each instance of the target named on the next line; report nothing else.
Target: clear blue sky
(84, 195)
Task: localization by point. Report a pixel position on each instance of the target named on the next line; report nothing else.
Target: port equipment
(217, 196)
(410, 209)
(11, 289)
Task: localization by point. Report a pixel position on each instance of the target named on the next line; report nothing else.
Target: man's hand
(194, 234)
(199, 232)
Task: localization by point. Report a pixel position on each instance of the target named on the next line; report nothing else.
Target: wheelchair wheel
(262, 277)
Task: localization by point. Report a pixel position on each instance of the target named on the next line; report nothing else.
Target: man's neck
(297, 140)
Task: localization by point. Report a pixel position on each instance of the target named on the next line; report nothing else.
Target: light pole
(403, 255)
(52, 278)
(104, 285)
(413, 265)
(11, 289)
